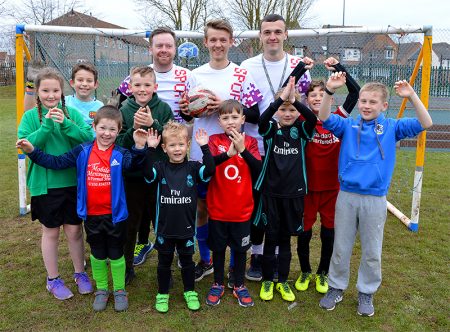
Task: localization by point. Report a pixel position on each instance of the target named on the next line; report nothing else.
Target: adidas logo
(115, 162)
(163, 181)
(189, 243)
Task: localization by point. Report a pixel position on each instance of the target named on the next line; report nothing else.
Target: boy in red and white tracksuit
(230, 199)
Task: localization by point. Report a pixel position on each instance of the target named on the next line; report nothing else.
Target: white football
(198, 101)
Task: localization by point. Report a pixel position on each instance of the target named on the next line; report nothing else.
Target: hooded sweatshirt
(367, 156)
(161, 113)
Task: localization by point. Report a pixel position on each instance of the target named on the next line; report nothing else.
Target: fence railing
(7, 74)
(388, 74)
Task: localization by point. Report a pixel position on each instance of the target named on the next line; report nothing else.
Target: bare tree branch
(43, 11)
(179, 14)
(247, 14)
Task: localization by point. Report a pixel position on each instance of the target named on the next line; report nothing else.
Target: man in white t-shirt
(270, 69)
(173, 81)
(227, 81)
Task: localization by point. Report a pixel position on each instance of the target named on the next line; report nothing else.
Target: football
(198, 101)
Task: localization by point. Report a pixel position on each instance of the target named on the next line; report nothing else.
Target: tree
(247, 14)
(179, 14)
(43, 11)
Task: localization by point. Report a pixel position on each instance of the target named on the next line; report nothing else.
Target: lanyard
(267, 74)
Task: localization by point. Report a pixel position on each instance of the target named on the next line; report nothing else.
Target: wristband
(328, 92)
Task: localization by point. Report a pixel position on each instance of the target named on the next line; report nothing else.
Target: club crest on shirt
(378, 129)
(294, 133)
(189, 181)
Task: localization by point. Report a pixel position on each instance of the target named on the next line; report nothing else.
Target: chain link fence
(368, 57)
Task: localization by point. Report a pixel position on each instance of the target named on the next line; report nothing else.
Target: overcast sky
(357, 12)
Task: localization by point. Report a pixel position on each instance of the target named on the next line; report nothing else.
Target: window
(389, 53)
(352, 54)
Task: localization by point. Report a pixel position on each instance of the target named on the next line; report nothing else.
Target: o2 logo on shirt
(231, 172)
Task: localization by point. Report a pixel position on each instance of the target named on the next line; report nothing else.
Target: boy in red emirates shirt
(322, 154)
(230, 200)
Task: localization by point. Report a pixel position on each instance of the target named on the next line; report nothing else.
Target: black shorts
(101, 229)
(56, 208)
(166, 245)
(221, 234)
(283, 212)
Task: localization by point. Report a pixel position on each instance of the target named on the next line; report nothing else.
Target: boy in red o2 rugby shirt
(230, 199)
(101, 201)
(322, 154)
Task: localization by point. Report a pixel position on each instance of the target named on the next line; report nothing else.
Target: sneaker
(285, 291)
(254, 272)
(303, 280)
(322, 283)
(83, 282)
(58, 289)
(365, 305)
(129, 275)
(120, 300)
(215, 294)
(192, 301)
(231, 278)
(331, 298)
(202, 269)
(101, 300)
(162, 303)
(266, 292)
(140, 253)
(243, 296)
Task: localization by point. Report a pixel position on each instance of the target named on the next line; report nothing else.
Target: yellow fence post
(420, 151)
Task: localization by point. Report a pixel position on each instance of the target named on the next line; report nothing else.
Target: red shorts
(322, 202)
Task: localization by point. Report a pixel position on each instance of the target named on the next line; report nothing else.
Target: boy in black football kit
(283, 181)
(176, 205)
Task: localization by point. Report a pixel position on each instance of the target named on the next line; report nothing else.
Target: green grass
(412, 297)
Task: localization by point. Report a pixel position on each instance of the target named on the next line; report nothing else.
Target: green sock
(118, 273)
(100, 272)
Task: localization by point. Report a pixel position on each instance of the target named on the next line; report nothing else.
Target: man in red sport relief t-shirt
(230, 199)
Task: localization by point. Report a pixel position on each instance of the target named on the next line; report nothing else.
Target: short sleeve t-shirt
(98, 181)
(231, 82)
(275, 71)
(171, 86)
(86, 108)
(230, 196)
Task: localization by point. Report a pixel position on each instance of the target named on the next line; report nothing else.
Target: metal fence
(368, 57)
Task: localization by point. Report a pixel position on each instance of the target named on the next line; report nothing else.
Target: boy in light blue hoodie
(366, 165)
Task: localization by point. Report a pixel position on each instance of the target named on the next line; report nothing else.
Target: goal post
(423, 63)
